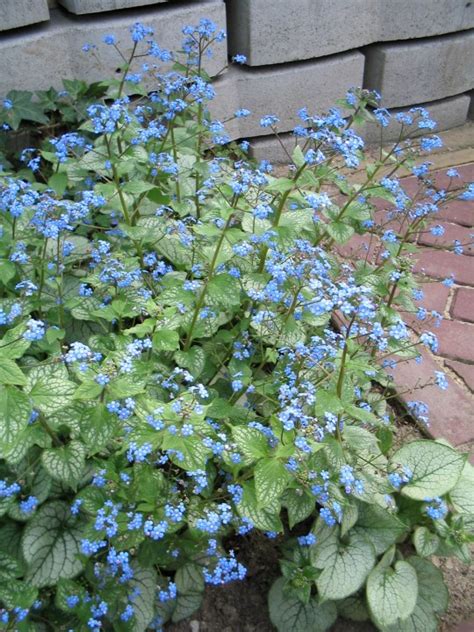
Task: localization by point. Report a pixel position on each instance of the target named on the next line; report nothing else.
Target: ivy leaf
(10, 373)
(50, 545)
(462, 495)
(379, 526)
(49, 387)
(271, 479)
(289, 614)
(346, 570)
(426, 542)
(65, 464)
(250, 442)
(15, 410)
(392, 593)
(436, 468)
(299, 505)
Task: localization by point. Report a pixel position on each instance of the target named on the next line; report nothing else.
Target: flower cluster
(190, 354)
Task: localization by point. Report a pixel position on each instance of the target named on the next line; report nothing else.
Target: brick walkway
(451, 411)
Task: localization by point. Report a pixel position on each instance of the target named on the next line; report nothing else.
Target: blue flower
(239, 59)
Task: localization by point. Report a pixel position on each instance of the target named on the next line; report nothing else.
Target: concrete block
(16, 13)
(38, 60)
(277, 151)
(471, 108)
(448, 113)
(80, 7)
(421, 71)
(282, 91)
(288, 30)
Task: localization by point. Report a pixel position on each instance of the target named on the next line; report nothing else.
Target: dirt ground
(242, 606)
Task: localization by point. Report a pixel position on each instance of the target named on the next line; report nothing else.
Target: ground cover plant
(185, 357)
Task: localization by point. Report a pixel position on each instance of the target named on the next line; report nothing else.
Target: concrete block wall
(299, 52)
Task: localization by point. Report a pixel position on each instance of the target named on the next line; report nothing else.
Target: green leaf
(10, 372)
(189, 578)
(119, 388)
(271, 479)
(251, 443)
(58, 182)
(346, 569)
(289, 614)
(23, 109)
(50, 545)
(392, 593)
(166, 340)
(432, 599)
(17, 594)
(431, 586)
(194, 360)
(88, 390)
(265, 518)
(15, 410)
(462, 495)
(66, 588)
(339, 231)
(436, 468)
(223, 290)
(144, 579)
(299, 504)
(186, 605)
(49, 387)
(10, 567)
(194, 453)
(98, 426)
(353, 608)
(425, 541)
(65, 464)
(138, 186)
(190, 585)
(379, 526)
(298, 156)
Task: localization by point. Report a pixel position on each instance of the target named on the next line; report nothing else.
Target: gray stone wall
(299, 52)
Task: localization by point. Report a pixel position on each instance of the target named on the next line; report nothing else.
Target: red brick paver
(451, 411)
(463, 305)
(464, 371)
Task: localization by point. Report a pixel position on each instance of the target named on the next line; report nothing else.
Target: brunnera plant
(186, 356)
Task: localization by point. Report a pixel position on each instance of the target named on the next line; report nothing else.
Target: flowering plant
(185, 355)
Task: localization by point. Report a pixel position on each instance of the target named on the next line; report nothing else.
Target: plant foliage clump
(186, 355)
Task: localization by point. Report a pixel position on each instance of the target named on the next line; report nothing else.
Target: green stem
(202, 295)
(277, 217)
